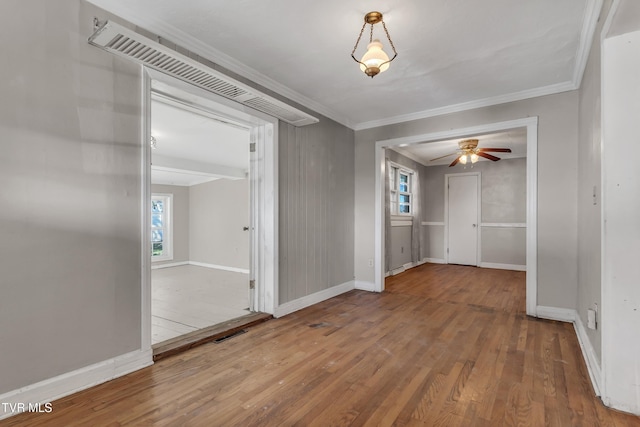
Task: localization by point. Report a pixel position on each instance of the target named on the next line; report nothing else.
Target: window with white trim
(400, 196)
(161, 230)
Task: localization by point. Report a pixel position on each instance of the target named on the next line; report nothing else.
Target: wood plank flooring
(443, 346)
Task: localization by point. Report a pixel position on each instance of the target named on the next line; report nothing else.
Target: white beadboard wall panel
(316, 208)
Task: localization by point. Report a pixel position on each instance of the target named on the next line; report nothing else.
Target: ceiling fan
(469, 152)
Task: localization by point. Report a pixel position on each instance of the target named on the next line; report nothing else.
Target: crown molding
(455, 108)
(169, 32)
(408, 154)
(186, 41)
(589, 25)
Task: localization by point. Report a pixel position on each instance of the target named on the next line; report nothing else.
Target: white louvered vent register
(129, 44)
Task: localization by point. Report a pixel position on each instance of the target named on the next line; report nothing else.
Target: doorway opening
(209, 250)
(200, 205)
(517, 223)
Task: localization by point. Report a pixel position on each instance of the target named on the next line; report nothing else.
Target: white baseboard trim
(556, 313)
(589, 354)
(398, 270)
(498, 266)
(434, 260)
(407, 266)
(169, 265)
(201, 264)
(365, 286)
(220, 267)
(63, 385)
(309, 300)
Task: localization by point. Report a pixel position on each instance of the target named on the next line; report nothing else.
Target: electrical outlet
(591, 319)
(370, 262)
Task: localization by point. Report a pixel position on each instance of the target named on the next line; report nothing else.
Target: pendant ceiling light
(375, 60)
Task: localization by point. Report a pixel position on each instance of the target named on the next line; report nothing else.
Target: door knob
(474, 226)
(247, 228)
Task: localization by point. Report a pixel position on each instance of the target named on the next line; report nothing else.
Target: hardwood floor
(443, 346)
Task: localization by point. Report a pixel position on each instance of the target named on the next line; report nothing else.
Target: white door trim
(531, 124)
(265, 210)
(478, 174)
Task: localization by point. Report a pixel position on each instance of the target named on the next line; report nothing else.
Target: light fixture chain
(388, 37)
(371, 35)
(358, 41)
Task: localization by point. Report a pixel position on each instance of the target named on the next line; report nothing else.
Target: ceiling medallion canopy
(375, 60)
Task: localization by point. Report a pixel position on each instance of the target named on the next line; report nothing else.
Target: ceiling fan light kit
(472, 158)
(470, 153)
(375, 60)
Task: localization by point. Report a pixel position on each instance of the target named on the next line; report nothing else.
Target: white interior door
(462, 219)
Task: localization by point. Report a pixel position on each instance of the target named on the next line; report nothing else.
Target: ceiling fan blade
(488, 156)
(455, 162)
(442, 157)
(495, 150)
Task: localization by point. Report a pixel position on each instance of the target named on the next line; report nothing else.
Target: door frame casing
(478, 175)
(264, 202)
(531, 125)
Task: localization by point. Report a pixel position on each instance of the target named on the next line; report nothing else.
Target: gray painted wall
(399, 247)
(180, 221)
(218, 211)
(316, 203)
(557, 185)
(589, 178)
(70, 120)
(433, 242)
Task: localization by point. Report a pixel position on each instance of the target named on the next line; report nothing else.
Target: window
(400, 196)
(161, 236)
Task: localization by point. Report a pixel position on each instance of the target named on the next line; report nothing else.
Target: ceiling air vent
(129, 44)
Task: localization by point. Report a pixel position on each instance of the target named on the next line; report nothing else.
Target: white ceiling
(193, 147)
(515, 139)
(452, 54)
